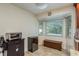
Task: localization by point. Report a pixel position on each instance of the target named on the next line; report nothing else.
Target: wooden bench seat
(53, 44)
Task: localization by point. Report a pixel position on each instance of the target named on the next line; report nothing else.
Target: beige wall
(14, 19)
(70, 10)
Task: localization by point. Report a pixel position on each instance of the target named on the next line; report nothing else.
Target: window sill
(54, 35)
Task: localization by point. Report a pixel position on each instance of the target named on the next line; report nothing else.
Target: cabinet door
(16, 48)
(30, 44)
(76, 46)
(11, 49)
(20, 48)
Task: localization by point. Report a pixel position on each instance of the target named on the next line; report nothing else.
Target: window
(56, 27)
(52, 27)
(40, 28)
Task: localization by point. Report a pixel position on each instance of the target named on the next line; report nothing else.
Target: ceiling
(35, 10)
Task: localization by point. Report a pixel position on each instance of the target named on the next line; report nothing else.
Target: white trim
(54, 34)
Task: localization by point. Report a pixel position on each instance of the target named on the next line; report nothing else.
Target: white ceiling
(34, 9)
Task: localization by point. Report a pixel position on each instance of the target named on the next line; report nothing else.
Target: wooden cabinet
(77, 14)
(77, 45)
(53, 44)
(32, 44)
(15, 47)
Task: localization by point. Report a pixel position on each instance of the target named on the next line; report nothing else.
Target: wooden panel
(76, 46)
(77, 6)
(77, 14)
(53, 44)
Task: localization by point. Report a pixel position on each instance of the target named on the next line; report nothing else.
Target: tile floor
(74, 52)
(45, 51)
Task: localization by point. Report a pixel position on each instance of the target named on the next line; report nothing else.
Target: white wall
(14, 19)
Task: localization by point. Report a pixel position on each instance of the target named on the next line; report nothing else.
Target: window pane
(54, 27)
(40, 28)
(68, 26)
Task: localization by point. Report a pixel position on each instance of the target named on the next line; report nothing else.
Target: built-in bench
(53, 44)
